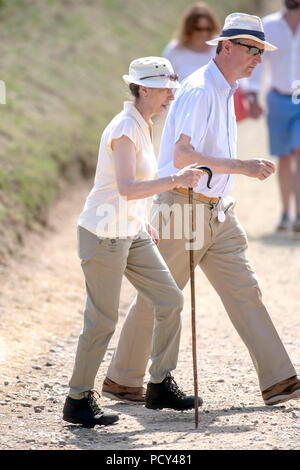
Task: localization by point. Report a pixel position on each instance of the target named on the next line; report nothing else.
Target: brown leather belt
(199, 196)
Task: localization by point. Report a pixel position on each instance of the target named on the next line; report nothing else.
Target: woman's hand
(188, 176)
(153, 234)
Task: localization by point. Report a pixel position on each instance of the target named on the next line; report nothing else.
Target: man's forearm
(184, 157)
(255, 167)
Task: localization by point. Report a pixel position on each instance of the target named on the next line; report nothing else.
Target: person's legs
(160, 297)
(296, 226)
(227, 268)
(279, 119)
(285, 179)
(129, 362)
(103, 262)
(148, 272)
(131, 356)
(295, 144)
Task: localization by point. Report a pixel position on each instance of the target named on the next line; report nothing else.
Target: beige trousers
(104, 262)
(223, 260)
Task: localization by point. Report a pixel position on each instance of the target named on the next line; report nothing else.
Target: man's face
(243, 62)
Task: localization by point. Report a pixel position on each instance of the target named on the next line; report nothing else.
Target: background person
(283, 115)
(188, 51)
(113, 242)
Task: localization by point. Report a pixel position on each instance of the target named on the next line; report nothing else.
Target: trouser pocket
(161, 209)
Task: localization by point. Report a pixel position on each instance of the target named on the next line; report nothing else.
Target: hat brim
(268, 46)
(152, 83)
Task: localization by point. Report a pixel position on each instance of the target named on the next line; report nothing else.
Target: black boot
(167, 394)
(87, 412)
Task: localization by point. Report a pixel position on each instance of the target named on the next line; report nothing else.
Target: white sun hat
(241, 25)
(152, 72)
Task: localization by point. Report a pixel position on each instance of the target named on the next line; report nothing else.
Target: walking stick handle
(207, 170)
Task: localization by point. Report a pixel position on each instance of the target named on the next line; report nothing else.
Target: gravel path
(41, 303)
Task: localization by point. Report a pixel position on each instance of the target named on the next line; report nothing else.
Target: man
(283, 29)
(201, 129)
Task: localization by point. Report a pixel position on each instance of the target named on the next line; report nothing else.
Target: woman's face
(202, 30)
(159, 99)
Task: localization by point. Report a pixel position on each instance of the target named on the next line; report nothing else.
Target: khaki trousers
(104, 262)
(223, 260)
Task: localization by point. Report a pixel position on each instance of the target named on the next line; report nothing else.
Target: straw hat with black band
(241, 25)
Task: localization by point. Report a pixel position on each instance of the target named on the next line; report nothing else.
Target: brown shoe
(119, 392)
(282, 391)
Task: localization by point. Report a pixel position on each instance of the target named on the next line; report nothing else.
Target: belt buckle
(214, 200)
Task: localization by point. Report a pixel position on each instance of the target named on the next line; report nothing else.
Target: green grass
(62, 62)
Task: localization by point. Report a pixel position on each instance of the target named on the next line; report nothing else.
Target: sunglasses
(252, 49)
(172, 76)
(198, 28)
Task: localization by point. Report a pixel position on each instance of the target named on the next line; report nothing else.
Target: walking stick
(192, 281)
(193, 301)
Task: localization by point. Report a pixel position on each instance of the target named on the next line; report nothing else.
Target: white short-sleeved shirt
(106, 213)
(184, 60)
(203, 110)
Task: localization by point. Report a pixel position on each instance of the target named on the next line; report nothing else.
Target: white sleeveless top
(106, 213)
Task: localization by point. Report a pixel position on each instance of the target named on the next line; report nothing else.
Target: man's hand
(153, 234)
(255, 110)
(258, 168)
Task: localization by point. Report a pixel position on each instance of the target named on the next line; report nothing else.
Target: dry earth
(41, 304)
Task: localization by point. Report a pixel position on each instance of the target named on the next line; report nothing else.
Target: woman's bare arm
(124, 155)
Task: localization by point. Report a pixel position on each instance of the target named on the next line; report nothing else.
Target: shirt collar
(220, 81)
(131, 110)
(282, 13)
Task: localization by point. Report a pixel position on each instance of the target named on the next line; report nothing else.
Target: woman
(189, 51)
(114, 240)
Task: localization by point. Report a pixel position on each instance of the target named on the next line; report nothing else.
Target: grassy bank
(62, 63)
